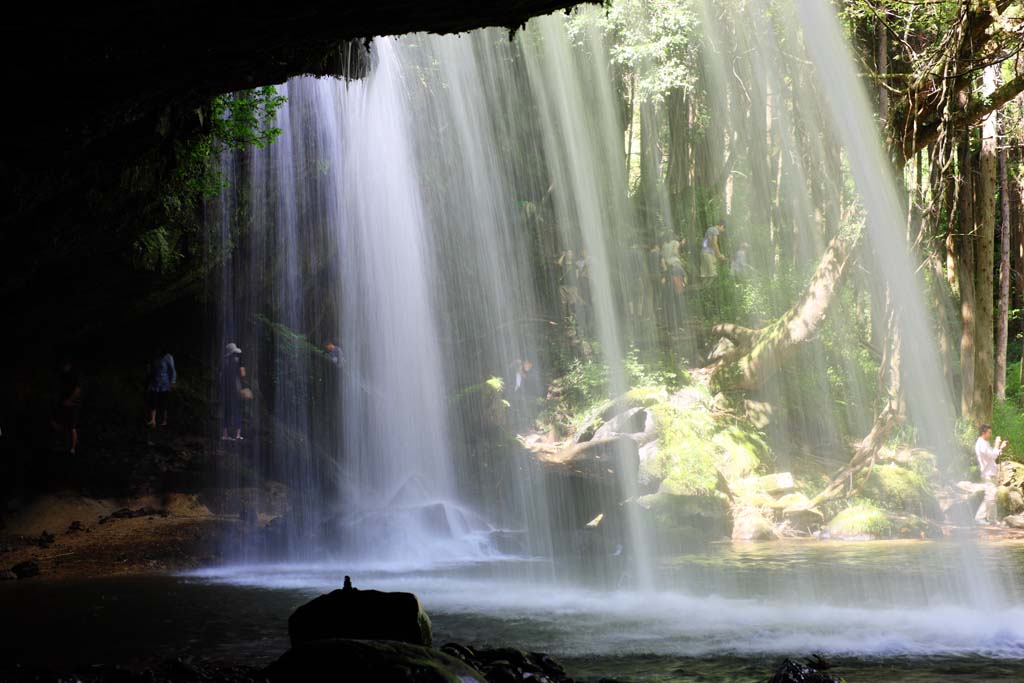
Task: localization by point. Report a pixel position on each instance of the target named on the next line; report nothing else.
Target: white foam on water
(579, 622)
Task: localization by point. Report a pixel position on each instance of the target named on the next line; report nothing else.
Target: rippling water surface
(731, 612)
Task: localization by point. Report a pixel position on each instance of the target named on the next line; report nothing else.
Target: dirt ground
(71, 536)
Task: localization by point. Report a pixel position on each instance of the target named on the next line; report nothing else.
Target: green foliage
(695, 444)
(237, 121)
(586, 386)
(1007, 417)
(157, 250)
(653, 41)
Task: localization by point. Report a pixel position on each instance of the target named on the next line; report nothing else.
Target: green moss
(899, 489)
(862, 520)
(695, 445)
(646, 396)
(741, 451)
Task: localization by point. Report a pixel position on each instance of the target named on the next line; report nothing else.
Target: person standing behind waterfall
(162, 377)
(987, 454)
(232, 377)
(710, 254)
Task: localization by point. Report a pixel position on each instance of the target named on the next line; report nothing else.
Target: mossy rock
(864, 521)
(1011, 474)
(750, 525)
(917, 460)
(696, 445)
(898, 489)
(1009, 501)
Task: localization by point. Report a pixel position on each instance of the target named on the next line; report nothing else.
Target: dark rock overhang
(97, 91)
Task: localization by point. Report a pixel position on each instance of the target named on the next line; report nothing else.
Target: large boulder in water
(370, 660)
(366, 615)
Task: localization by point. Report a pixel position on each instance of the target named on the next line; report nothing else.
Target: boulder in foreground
(366, 615)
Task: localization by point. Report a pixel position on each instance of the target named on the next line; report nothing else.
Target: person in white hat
(232, 376)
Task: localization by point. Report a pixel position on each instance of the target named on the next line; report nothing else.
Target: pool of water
(881, 611)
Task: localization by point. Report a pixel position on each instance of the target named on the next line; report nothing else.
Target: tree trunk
(760, 354)
(965, 271)
(1003, 319)
(984, 357)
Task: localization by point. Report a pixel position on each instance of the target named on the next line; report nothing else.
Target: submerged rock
(367, 615)
(343, 659)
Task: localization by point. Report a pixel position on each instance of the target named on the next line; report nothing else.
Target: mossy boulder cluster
(896, 498)
(705, 473)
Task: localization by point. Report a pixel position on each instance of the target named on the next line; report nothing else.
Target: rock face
(600, 458)
(369, 615)
(369, 660)
(591, 475)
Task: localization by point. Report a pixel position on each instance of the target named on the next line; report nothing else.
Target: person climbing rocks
(710, 254)
(233, 391)
(161, 378)
(69, 401)
(986, 452)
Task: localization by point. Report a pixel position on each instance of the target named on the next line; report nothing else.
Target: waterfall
(441, 218)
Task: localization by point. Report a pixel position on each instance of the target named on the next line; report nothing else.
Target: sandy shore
(71, 536)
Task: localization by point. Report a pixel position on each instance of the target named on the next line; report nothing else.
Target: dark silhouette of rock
(365, 660)
(26, 569)
(366, 615)
(811, 671)
(509, 664)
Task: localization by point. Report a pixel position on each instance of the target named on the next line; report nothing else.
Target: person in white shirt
(986, 452)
